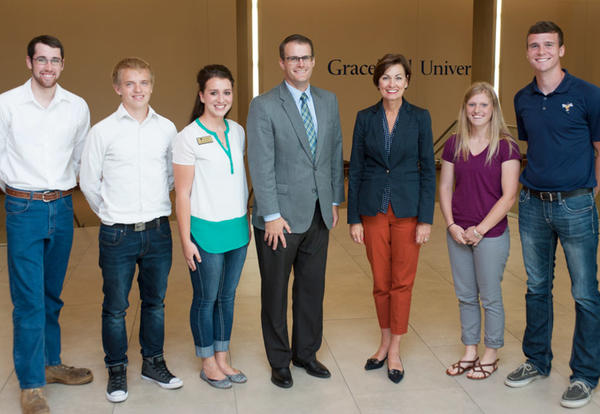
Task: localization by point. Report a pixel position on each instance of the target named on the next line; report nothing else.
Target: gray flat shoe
(238, 378)
(221, 384)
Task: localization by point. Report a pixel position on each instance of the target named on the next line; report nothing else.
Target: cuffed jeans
(39, 235)
(573, 221)
(211, 315)
(120, 250)
(477, 272)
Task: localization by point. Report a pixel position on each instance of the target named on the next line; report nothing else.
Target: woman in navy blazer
(391, 196)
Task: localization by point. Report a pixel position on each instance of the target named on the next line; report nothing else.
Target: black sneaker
(577, 395)
(155, 369)
(522, 376)
(116, 390)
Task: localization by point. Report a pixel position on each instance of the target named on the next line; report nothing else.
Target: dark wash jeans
(39, 235)
(120, 251)
(573, 221)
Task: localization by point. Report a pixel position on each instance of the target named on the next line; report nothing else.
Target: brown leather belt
(45, 196)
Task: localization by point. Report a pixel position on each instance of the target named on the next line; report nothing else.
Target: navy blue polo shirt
(559, 129)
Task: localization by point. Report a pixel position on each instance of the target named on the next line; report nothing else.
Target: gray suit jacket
(284, 177)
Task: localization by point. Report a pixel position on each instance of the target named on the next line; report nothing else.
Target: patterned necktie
(308, 124)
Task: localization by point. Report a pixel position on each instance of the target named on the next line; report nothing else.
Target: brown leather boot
(64, 374)
(34, 402)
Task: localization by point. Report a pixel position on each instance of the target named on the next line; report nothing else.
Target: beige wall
(177, 37)
(359, 32)
(579, 21)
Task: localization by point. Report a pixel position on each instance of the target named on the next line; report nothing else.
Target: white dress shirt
(126, 171)
(40, 148)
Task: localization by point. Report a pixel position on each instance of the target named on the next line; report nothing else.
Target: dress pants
(307, 254)
(393, 254)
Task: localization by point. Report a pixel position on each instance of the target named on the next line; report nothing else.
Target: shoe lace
(118, 379)
(585, 388)
(161, 369)
(526, 367)
(36, 394)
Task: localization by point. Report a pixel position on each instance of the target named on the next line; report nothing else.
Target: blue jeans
(573, 221)
(40, 235)
(211, 315)
(120, 251)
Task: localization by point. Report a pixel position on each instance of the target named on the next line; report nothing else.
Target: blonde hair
(497, 130)
(130, 63)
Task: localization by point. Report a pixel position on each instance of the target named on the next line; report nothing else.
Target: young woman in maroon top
(481, 162)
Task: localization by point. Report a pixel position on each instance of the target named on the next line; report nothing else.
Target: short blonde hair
(130, 63)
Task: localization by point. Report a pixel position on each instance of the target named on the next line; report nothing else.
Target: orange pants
(393, 254)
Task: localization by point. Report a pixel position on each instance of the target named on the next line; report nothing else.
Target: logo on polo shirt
(567, 107)
(207, 139)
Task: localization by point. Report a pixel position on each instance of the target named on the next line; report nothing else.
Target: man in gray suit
(296, 164)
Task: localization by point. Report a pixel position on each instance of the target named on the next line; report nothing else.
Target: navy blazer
(410, 169)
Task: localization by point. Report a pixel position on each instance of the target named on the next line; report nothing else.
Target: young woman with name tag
(212, 194)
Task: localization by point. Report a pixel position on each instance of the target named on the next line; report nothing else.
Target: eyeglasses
(297, 59)
(42, 60)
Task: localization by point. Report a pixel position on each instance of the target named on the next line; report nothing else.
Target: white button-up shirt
(40, 148)
(126, 171)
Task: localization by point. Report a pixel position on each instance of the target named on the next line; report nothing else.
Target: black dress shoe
(374, 363)
(314, 368)
(282, 377)
(395, 375)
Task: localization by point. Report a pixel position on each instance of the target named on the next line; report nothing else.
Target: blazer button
(387, 171)
(314, 190)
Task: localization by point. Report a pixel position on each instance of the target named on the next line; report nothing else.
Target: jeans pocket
(110, 236)
(164, 230)
(523, 197)
(16, 205)
(578, 205)
(67, 202)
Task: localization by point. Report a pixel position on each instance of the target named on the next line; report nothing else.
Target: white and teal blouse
(219, 192)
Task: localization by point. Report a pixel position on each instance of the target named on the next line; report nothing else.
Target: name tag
(204, 140)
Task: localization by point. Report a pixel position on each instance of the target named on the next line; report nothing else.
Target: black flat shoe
(395, 375)
(314, 368)
(374, 363)
(282, 377)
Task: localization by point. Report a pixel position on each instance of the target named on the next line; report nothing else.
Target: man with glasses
(42, 131)
(296, 164)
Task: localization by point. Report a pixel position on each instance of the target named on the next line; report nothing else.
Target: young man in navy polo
(559, 117)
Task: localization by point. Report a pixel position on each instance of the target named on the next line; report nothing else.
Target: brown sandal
(461, 367)
(479, 368)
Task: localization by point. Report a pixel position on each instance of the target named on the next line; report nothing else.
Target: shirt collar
(296, 93)
(562, 87)
(122, 113)
(59, 94)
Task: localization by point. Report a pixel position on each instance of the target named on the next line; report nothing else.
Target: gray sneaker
(522, 376)
(577, 395)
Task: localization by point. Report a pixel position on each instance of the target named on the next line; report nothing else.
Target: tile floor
(350, 336)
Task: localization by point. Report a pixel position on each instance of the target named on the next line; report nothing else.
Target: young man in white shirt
(126, 175)
(42, 131)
